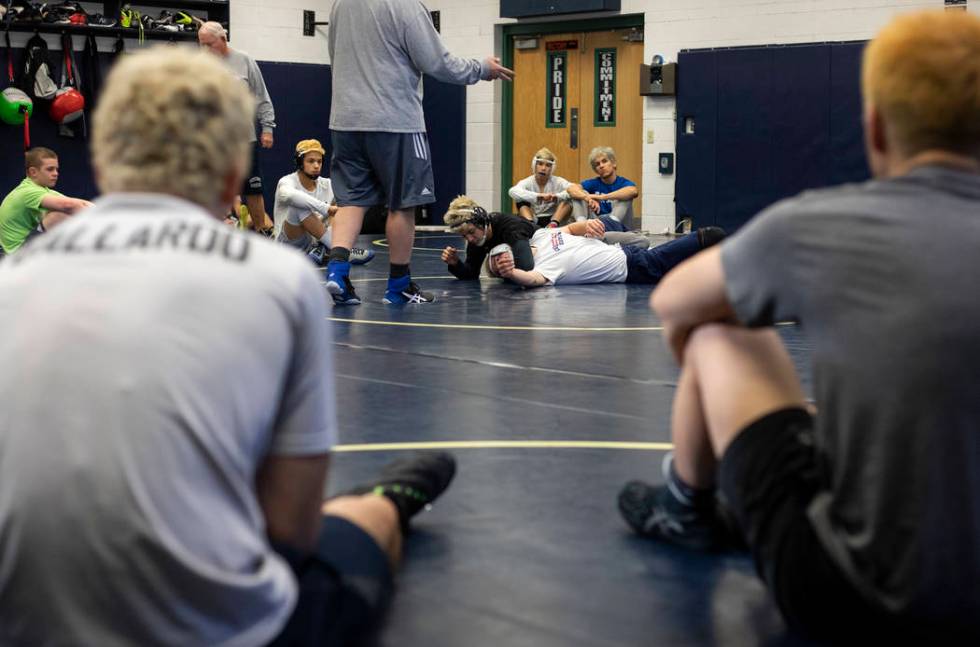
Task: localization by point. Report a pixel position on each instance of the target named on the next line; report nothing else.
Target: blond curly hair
(173, 121)
(459, 212)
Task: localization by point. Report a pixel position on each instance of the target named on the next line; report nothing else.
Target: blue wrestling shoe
(339, 285)
(403, 290)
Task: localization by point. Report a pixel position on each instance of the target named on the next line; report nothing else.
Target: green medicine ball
(12, 104)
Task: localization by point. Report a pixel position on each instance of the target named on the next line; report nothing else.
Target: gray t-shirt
(379, 50)
(245, 68)
(131, 431)
(883, 278)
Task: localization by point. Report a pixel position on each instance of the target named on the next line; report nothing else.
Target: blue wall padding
(744, 139)
(770, 122)
(848, 160)
(301, 95)
(803, 153)
(445, 122)
(695, 185)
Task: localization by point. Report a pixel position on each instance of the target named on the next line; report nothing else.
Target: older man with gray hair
(214, 38)
(158, 502)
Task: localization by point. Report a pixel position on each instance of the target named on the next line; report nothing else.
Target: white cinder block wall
(471, 28)
(272, 30)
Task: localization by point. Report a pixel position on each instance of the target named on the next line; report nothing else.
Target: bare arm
(64, 203)
(626, 193)
(527, 278)
(576, 191)
(691, 294)
(290, 492)
(589, 228)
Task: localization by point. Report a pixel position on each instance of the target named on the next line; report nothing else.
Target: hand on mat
(594, 229)
(266, 140)
(449, 256)
(497, 71)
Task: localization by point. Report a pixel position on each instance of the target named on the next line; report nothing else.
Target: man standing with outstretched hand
(379, 50)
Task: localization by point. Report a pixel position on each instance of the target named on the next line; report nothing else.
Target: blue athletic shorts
(371, 168)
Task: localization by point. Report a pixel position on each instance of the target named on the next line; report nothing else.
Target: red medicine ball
(67, 106)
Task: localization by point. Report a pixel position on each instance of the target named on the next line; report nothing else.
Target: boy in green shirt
(34, 201)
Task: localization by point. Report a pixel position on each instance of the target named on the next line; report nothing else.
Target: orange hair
(922, 74)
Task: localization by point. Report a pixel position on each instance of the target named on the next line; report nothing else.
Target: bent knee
(710, 338)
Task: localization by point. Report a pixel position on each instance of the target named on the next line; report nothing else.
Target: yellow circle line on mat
(504, 444)
(414, 324)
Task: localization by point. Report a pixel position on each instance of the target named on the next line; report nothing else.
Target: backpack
(35, 77)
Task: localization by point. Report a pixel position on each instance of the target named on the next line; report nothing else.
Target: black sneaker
(708, 236)
(413, 483)
(654, 512)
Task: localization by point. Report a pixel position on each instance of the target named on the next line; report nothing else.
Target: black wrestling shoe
(708, 236)
(670, 515)
(654, 512)
(413, 483)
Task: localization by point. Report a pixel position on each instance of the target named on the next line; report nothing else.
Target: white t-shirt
(527, 190)
(564, 258)
(294, 204)
(130, 435)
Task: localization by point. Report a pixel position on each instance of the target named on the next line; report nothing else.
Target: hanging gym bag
(35, 77)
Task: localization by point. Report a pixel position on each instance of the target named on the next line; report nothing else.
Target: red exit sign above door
(561, 44)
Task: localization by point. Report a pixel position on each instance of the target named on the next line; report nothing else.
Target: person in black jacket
(483, 231)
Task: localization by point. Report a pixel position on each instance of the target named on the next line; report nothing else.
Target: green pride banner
(557, 101)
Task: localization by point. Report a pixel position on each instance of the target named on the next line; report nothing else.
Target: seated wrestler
(607, 194)
(483, 231)
(34, 205)
(542, 197)
(303, 208)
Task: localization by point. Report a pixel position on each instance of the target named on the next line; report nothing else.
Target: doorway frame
(509, 33)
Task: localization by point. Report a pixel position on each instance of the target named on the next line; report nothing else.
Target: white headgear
(535, 161)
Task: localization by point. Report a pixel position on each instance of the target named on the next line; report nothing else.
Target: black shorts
(371, 168)
(343, 588)
(768, 476)
(253, 179)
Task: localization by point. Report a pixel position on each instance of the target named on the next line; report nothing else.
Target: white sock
(325, 238)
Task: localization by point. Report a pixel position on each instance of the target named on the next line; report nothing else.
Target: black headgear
(480, 218)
